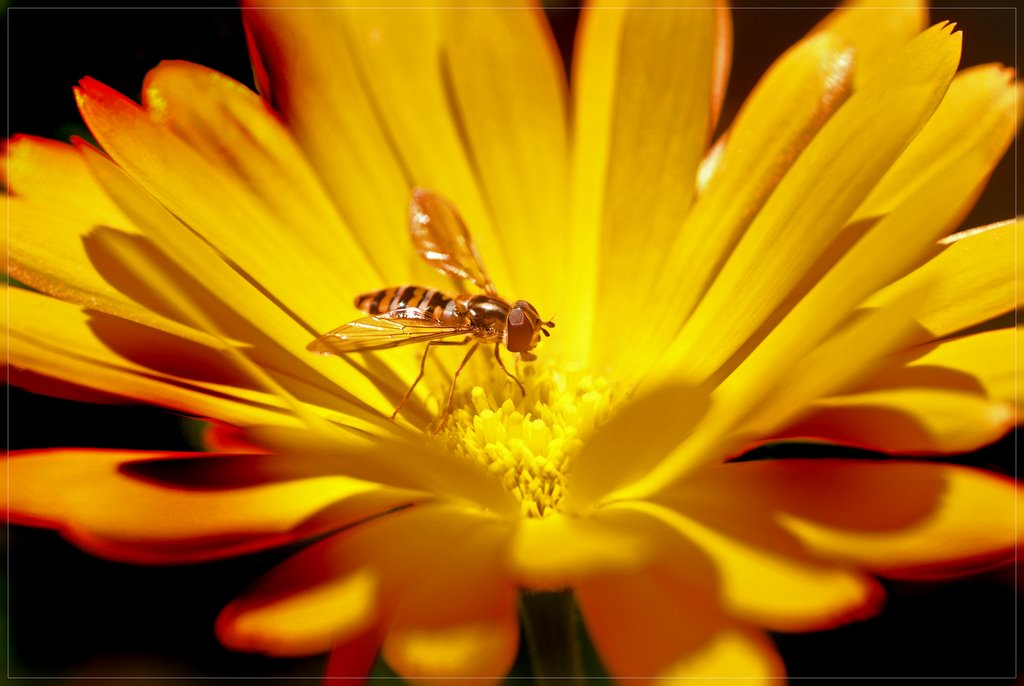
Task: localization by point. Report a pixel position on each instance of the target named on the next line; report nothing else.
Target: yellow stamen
(528, 441)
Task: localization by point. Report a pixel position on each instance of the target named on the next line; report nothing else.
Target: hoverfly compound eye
(520, 331)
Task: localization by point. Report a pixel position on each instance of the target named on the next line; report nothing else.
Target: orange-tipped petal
(160, 508)
(215, 200)
(899, 519)
(229, 126)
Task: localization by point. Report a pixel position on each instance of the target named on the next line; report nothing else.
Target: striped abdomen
(402, 297)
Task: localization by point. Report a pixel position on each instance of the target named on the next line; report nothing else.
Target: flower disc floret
(529, 441)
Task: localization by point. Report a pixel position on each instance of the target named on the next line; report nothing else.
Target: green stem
(550, 624)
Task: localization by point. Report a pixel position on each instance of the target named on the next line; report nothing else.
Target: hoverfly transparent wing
(383, 331)
(442, 239)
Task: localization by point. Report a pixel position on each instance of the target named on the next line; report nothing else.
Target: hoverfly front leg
(497, 356)
(423, 364)
(455, 380)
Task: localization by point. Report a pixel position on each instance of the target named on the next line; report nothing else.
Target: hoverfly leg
(497, 356)
(451, 391)
(423, 364)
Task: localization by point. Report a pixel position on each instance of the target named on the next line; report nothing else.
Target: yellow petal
(935, 197)
(952, 396)
(163, 508)
(556, 551)
(311, 78)
(774, 587)
(55, 203)
(229, 126)
(629, 444)
(341, 587)
(509, 96)
(889, 248)
(645, 627)
(357, 84)
(457, 617)
(812, 203)
(847, 357)
(177, 294)
(635, 159)
(977, 114)
(57, 339)
(195, 276)
(876, 29)
(219, 203)
(397, 461)
(974, 280)
(769, 390)
(789, 105)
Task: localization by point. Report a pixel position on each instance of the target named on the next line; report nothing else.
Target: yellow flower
(788, 281)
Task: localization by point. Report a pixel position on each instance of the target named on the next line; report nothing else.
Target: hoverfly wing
(383, 331)
(442, 239)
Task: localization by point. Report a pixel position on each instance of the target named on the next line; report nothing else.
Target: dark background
(72, 615)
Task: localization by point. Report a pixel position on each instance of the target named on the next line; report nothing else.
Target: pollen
(529, 441)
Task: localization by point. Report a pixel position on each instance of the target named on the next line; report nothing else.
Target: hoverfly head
(523, 328)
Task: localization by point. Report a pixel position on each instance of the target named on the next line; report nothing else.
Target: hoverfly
(413, 314)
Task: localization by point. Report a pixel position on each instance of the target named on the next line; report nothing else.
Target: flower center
(529, 441)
